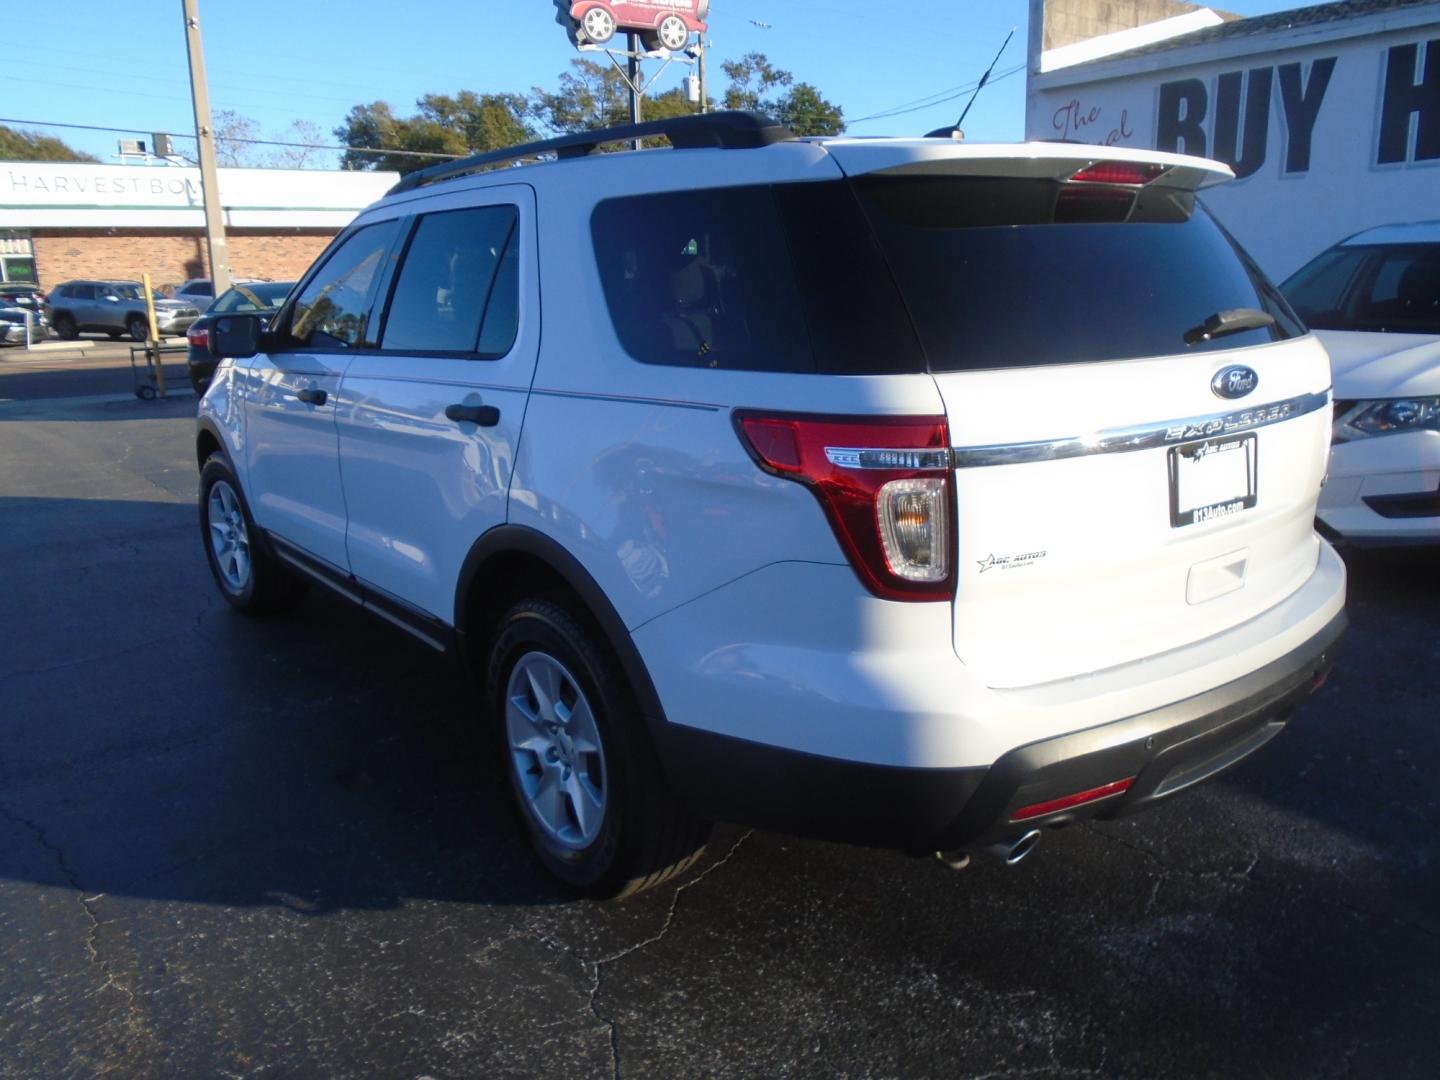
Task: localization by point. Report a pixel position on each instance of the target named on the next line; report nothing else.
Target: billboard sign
(662, 24)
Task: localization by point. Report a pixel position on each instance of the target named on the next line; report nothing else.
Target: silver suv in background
(114, 308)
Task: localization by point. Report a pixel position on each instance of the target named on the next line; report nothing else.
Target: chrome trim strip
(1140, 436)
(910, 460)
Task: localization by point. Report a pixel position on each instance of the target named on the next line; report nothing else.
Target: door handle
(311, 396)
(483, 415)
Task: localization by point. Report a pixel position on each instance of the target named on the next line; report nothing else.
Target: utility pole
(205, 137)
(700, 64)
(633, 64)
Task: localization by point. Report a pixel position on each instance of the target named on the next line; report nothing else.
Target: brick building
(63, 220)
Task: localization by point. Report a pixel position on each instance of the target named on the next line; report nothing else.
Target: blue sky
(86, 62)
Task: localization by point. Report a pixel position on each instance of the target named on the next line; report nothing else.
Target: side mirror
(235, 336)
(112, 299)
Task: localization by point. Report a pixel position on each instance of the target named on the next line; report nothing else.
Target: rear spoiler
(1036, 160)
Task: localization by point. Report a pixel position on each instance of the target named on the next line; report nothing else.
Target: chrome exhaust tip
(1010, 851)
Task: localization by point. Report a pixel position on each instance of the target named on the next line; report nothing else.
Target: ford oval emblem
(1233, 382)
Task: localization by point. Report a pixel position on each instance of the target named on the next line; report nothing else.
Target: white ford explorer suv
(900, 491)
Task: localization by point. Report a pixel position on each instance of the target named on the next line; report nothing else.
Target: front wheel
(598, 24)
(581, 767)
(250, 579)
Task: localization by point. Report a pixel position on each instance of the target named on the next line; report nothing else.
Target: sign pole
(205, 137)
(633, 64)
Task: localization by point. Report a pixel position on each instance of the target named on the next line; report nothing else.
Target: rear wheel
(137, 328)
(250, 579)
(580, 763)
(65, 326)
(673, 33)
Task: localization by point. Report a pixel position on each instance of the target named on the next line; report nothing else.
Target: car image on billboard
(663, 24)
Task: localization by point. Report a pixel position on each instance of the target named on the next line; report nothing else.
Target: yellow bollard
(152, 346)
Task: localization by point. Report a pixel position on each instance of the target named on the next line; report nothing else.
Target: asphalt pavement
(268, 848)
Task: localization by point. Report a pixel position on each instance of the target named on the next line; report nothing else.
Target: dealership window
(19, 268)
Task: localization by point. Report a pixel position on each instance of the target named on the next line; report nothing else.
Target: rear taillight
(199, 338)
(885, 485)
(1118, 172)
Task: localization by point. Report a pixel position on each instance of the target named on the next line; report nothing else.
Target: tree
(23, 146)
(592, 96)
(754, 83)
(298, 157)
(467, 123)
(235, 136)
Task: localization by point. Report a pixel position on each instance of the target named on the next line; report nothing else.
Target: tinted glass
(334, 307)
(782, 278)
(258, 296)
(1002, 272)
(81, 292)
(1394, 289)
(447, 279)
(1318, 289)
(502, 312)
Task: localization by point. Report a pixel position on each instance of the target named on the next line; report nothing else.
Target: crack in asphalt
(1246, 876)
(77, 661)
(597, 966)
(92, 941)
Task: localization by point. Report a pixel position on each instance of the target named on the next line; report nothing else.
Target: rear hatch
(1127, 482)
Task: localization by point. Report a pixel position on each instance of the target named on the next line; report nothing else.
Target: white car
(904, 491)
(1374, 301)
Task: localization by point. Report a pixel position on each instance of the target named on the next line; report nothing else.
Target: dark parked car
(257, 297)
(22, 294)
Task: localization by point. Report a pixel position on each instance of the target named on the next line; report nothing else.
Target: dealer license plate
(1212, 479)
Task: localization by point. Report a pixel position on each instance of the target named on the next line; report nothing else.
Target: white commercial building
(1329, 114)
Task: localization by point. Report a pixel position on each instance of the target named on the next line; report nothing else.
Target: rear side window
(758, 278)
(458, 285)
(1005, 272)
(333, 309)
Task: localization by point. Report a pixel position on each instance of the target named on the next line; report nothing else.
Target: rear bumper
(1161, 752)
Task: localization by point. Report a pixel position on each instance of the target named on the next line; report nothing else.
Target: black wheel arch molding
(508, 540)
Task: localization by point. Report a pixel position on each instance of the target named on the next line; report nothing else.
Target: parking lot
(233, 847)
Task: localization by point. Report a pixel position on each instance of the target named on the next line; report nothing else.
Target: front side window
(457, 289)
(333, 309)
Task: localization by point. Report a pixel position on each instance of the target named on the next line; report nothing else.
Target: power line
(961, 92)
(252, 142)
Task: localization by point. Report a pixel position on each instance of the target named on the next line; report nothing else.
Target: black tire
(145, 393)
(198, 384)
(269, 586)
(65, 327)
(136, 328)
(646, 835)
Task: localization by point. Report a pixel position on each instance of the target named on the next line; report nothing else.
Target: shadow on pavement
(171, 748)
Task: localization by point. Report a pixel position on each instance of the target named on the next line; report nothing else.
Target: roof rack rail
(731, 130)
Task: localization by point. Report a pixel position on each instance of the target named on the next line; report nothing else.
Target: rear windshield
(894, 274)
(1002, 273)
